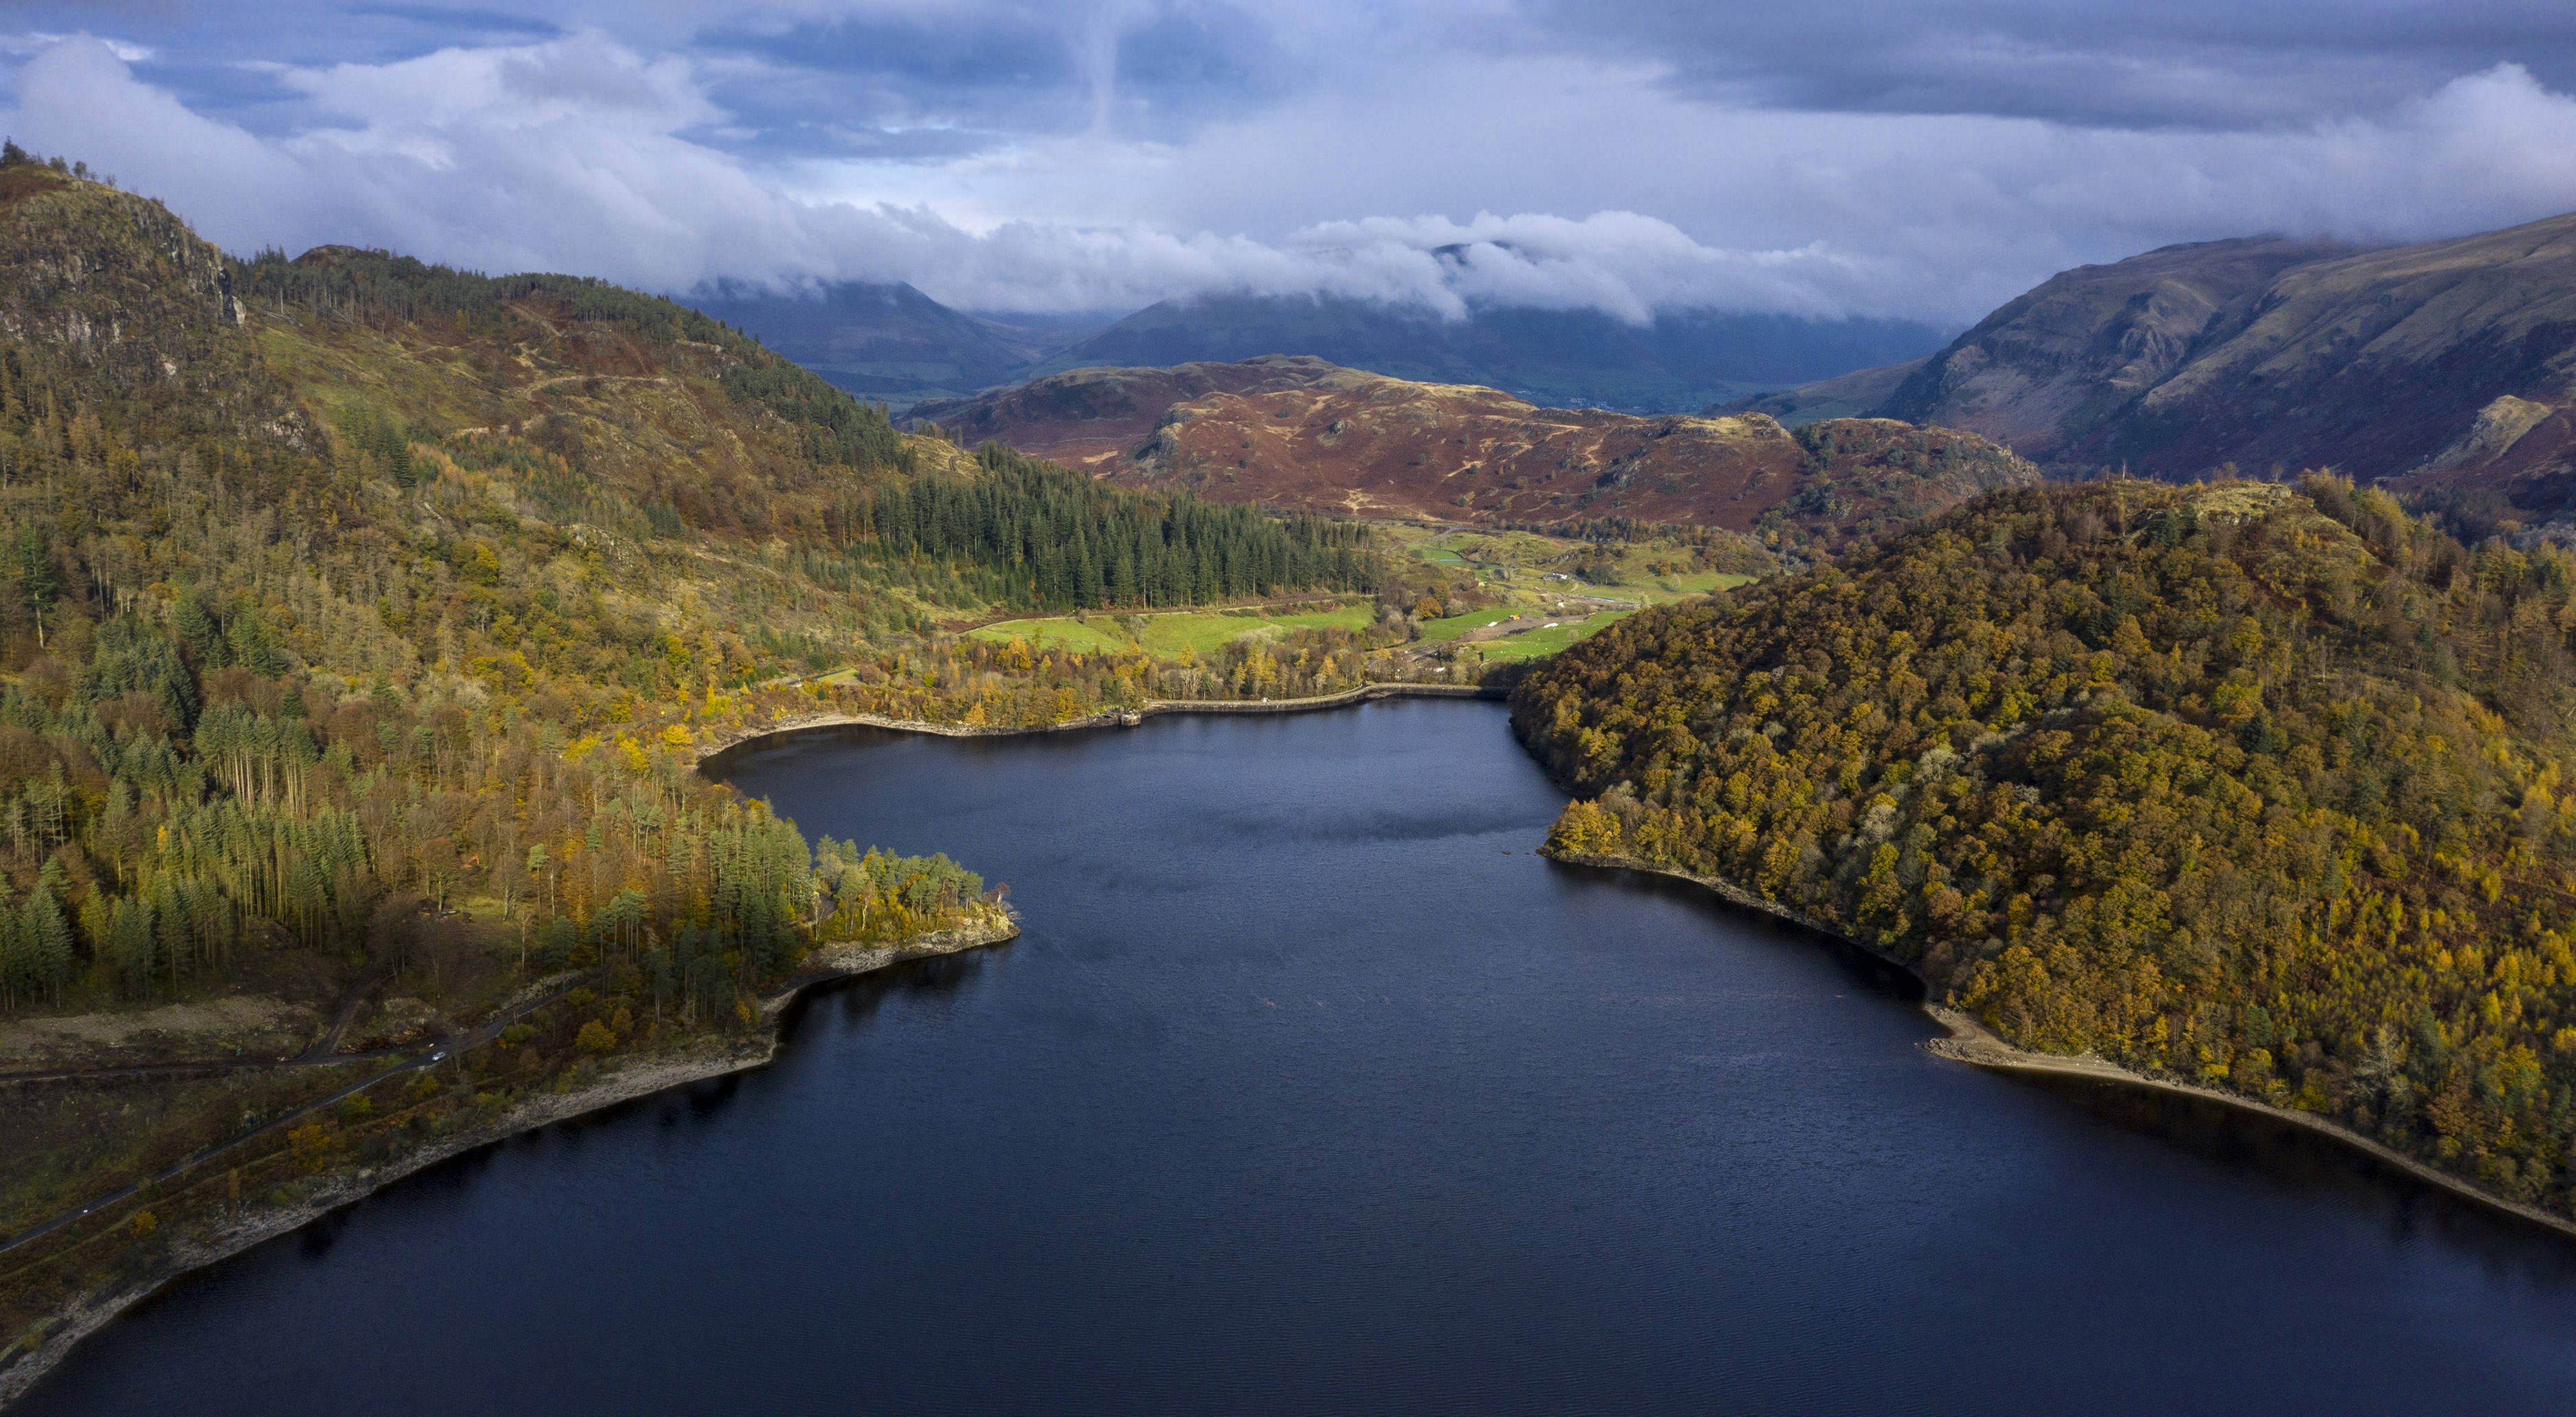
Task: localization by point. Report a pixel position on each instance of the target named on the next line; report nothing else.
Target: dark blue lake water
(1311, 1089)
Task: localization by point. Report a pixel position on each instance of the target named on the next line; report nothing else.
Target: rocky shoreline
(630, 1079)
(1970, 1042)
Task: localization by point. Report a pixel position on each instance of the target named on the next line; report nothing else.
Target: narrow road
(428, 1055)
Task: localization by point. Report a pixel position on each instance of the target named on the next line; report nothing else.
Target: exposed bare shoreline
(1967, 1041)
(1106, 718)
(1970, 1042)
(632, 1078)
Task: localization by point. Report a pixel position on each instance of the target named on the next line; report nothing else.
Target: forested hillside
(361, 625)
(342, 582)
(2252, 786)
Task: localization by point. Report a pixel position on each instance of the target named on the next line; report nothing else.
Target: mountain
(1558, 358)
(891, 343)
(884, 342)
(2053, 366)
(2253, 787)
(1306, 436)
(2447, 365)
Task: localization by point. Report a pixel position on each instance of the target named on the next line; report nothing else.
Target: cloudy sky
(1829, 157)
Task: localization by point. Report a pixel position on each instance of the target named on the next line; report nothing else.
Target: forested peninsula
(2249, 785)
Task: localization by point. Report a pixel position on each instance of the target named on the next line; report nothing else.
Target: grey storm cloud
(1829, 158)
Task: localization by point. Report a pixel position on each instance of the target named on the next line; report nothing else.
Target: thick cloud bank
(1632, 188)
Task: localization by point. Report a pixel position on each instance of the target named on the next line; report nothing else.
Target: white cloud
(1435, 178)
(37, 41)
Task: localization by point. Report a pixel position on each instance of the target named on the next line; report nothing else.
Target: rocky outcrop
(131, 305)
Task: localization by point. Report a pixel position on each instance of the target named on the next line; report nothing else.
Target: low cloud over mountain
(1635, 161)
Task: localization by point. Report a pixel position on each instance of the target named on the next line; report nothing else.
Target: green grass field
(1205, 631)
(1198, 631)
(1451, 627)
(1530, 644)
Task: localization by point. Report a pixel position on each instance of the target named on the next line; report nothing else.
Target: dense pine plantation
(1057, 539)
(2250, 786)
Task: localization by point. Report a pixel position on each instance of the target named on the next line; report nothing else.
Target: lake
(1311, 1088)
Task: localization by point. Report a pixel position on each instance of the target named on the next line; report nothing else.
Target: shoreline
(1970, 1042)
(629, 1080)
(1106, 718)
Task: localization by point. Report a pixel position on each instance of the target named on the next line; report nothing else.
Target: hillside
(510, 518)
(891, 343)
(2446, 364)
(1095, 417)
(361, 624)
(1365, 445)
(2255, 787)
(1581, 358)
(2049, 369)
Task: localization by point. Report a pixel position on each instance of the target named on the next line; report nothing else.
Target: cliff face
(1361, 444)
(2447, 364)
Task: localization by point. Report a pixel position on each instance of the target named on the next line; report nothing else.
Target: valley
(365, 626)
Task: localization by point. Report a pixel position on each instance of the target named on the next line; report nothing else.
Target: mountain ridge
(889, 342)
(1678, 362)
(2447, 367)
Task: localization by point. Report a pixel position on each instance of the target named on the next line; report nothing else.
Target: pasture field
(1168, 634)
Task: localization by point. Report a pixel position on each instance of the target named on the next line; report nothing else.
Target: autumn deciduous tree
(2255, 786)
